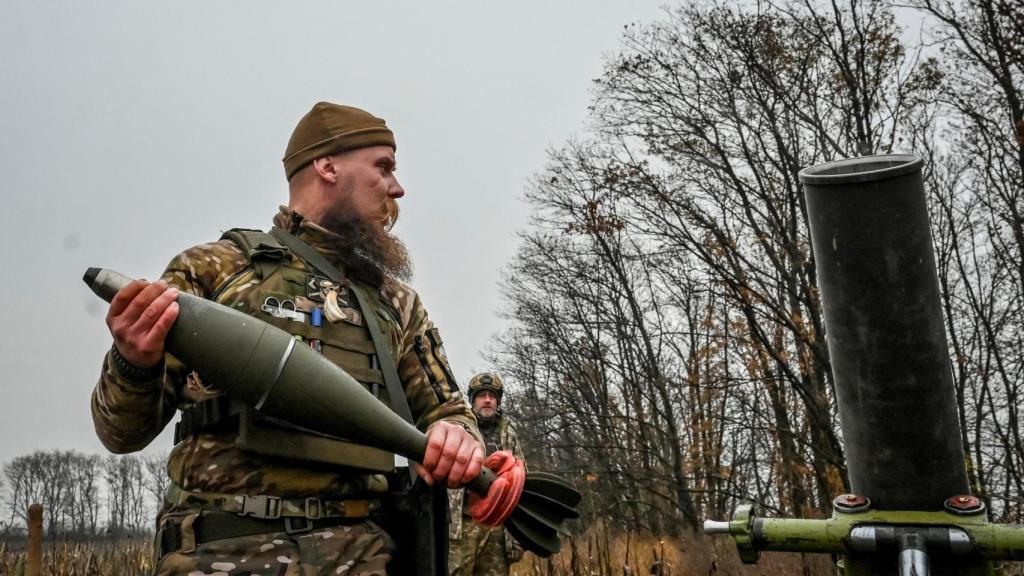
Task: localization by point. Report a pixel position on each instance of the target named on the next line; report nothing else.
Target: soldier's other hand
(140, 316)
(453, 455)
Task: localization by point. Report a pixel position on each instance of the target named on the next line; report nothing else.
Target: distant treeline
(83, 495)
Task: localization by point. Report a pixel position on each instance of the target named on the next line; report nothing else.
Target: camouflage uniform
(129, 414)
(475, 549)
(362, 549)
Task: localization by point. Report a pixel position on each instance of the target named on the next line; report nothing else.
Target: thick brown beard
(367, 251)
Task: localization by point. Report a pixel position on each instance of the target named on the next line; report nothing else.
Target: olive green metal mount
(853, 535)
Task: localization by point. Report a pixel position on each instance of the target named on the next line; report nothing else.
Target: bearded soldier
(477, 549)
(253, 495)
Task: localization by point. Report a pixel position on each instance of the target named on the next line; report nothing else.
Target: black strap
(387, 362)
(210, 526)
(202, 416)
(399, 403)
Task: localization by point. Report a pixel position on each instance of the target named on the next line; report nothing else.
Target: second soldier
(475, 549)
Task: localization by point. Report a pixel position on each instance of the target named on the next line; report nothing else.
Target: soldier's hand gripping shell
(452, 455)
(140, 316)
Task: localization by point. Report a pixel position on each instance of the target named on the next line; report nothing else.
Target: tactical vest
(284, 292)
(494, 437)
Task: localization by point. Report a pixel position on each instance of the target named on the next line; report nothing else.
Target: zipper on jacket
(435, 341)
(421, 353)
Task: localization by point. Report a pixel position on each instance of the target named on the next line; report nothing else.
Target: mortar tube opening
(862, 169)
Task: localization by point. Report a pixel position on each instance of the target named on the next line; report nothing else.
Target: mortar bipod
(957, 540)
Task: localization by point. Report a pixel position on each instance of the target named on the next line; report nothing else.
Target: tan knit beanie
(331, 129)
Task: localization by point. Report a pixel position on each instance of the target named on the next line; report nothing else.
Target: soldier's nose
(396, 190)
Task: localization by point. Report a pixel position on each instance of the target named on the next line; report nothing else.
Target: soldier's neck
(486, 423)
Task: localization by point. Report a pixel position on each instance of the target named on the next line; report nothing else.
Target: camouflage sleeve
(423, 368)
(128, 414)
(512, 443)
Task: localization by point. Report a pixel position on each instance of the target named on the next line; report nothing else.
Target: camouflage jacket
(503, 434)
(129, 415)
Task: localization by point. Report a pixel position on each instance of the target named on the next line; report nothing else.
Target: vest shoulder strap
(261, 249)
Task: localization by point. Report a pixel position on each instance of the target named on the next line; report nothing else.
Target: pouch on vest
(270, 437)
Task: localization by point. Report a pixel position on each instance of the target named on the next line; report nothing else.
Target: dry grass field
(596, 553)
(587, 555)
(591, 554)
(129, 557)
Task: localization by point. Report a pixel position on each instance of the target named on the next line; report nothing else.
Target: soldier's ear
(326, 169)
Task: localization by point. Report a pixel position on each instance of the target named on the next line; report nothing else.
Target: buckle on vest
(263, 507)
(297, 525)
(314, 508)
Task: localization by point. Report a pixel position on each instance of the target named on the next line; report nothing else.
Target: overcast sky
(132, 130)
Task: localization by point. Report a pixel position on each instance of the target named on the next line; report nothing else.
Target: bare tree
(85, 501)
(64, 482)
(23, 485)
(157, 480)
(127, 511)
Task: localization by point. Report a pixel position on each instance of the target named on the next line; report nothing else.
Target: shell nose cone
(90, 275)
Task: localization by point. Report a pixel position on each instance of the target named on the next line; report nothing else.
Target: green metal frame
(991, 542)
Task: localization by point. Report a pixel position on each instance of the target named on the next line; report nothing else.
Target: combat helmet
(485, 381)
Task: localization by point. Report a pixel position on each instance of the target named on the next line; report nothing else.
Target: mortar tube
(876, 271)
